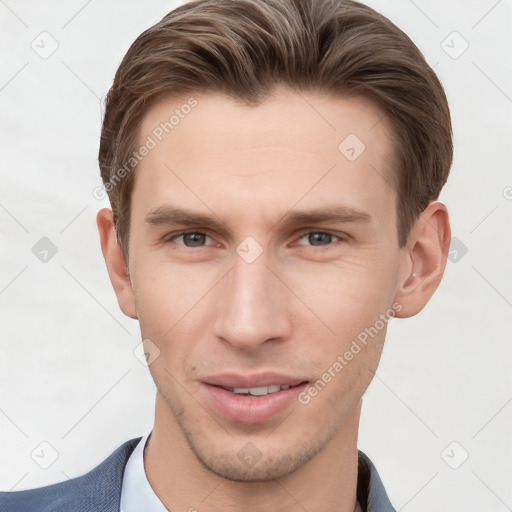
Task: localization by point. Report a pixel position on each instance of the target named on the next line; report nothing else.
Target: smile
(259, 391)
(251, 399)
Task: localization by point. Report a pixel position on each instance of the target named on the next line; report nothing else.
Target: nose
(253, 307)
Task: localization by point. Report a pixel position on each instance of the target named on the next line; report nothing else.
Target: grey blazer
(100, 489)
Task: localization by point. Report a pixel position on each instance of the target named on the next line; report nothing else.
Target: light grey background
(68, 373)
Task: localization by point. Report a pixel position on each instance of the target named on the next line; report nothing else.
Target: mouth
(251, 399)
(260, 390)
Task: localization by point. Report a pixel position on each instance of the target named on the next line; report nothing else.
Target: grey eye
(192, 239)
(319, 238)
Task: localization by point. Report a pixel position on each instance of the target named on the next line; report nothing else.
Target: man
(273, 168)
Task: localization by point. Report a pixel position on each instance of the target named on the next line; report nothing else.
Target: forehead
(309, 120)
(293, 146)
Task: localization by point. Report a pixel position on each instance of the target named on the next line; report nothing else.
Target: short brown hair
(245, 48)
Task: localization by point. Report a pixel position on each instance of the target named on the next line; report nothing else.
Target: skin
(293, 310)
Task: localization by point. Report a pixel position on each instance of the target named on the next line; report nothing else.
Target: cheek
(172, 307)
(346, 297)
(349, 339)
(163, 295)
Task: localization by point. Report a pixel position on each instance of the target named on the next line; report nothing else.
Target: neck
(326, 483)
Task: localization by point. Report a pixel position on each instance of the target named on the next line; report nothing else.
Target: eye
(190, 239)
(319, 238)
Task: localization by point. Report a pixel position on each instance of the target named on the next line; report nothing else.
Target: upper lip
(235, 380)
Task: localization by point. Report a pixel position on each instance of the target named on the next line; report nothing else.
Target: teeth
(263, 390)
(260, 391)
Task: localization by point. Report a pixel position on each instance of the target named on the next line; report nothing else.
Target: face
(263, 243)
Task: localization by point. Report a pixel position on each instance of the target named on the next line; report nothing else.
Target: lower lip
(250, 409)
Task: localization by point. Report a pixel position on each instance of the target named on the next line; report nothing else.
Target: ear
(425, 259)
(116, 265)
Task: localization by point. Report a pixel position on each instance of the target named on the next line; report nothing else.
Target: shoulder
(99, 489)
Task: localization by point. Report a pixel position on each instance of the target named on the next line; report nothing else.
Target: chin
(266, 468)
(253, 458)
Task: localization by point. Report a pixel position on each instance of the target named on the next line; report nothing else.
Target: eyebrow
(169, 216)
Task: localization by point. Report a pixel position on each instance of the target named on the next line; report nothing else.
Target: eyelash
(182, 233)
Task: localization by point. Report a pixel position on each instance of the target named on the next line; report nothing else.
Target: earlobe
(426, 256)
(116, 265)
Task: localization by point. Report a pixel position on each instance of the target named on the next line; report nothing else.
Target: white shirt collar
(137, 494)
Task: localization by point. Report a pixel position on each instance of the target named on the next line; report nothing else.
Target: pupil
(196, 239)
(314, 238)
